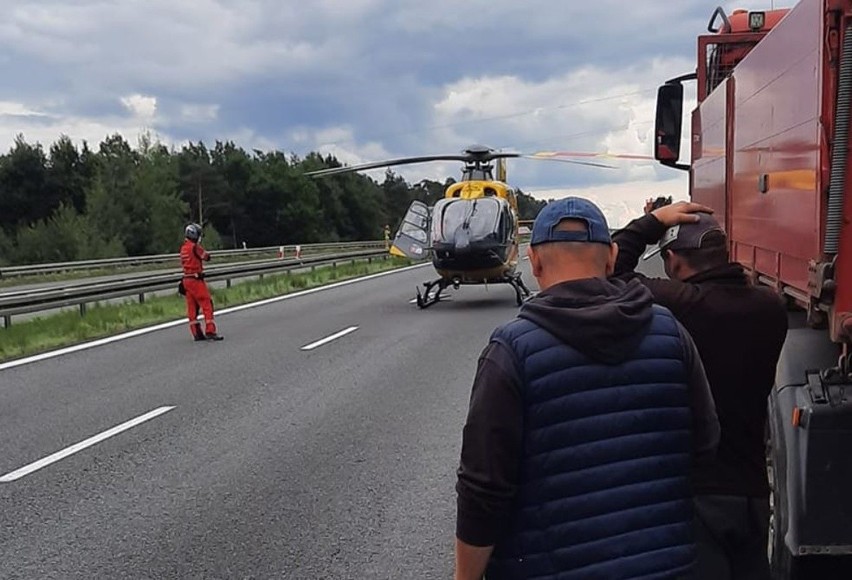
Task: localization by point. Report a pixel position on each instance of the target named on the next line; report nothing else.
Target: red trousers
(198, 297)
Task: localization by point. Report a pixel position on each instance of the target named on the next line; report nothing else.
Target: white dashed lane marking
(328, 339)
(59, 455)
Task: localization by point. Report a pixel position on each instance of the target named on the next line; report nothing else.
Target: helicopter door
(412, 238)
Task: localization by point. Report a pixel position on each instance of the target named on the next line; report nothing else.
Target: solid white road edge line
(36, 465)
(328, 339)
(140, 331)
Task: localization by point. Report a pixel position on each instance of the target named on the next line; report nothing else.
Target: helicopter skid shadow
(483, 304)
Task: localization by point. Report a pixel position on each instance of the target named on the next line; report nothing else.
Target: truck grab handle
(726, 23)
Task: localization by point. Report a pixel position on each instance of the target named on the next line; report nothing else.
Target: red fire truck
(770, 141)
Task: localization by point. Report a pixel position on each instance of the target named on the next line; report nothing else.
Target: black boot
(214, 336)
(197, 333)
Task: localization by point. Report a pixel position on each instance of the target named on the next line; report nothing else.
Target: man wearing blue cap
(586, 413)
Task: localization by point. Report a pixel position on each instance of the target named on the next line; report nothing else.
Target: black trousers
(731, 537)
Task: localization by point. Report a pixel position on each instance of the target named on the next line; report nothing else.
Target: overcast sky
(363, 79)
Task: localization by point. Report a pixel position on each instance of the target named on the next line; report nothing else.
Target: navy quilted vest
(604, 478)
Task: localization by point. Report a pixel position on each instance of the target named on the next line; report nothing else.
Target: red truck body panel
(777, 133)
(761, 154)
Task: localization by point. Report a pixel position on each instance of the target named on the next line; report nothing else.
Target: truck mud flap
(810, 424)
(812, 428)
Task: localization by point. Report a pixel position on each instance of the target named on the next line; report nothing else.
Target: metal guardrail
(290, 249)
(81, 294)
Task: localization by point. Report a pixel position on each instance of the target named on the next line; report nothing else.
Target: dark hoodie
(605, 320)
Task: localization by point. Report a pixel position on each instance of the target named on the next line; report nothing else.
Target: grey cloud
(273, 69)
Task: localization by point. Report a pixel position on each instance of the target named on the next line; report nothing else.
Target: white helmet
(193, 232)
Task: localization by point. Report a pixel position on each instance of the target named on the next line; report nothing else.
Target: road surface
(319, 440)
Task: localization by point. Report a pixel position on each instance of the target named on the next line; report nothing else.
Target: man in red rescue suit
(192, 256)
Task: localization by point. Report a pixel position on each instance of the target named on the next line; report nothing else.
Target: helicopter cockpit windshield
(480, 218)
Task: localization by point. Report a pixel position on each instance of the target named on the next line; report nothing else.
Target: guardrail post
(7, 321)
(83, 309)
(228, 283)
(141, 298)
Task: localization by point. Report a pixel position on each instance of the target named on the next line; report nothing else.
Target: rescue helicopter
(472, 233)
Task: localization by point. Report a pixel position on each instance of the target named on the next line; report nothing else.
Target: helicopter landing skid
(518, 284)
(427, 301)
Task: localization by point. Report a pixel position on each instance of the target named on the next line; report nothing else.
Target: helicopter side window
(412, 231)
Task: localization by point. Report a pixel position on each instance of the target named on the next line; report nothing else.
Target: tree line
(75, 203)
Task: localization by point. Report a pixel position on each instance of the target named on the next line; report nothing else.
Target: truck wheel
(780, 558)
(781, 562)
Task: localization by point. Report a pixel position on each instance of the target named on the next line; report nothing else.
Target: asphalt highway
(319, 440)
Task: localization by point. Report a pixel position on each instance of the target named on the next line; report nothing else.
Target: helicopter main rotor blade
(481, 154)
(569, 154)
(574, 161)
(483, 157)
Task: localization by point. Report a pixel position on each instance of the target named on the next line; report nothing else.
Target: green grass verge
(67, 328)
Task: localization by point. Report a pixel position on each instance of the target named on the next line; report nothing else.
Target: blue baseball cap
(544, 227)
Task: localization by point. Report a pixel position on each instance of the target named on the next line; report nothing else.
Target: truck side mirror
(668, 123)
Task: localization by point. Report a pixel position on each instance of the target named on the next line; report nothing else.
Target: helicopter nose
(462, 241)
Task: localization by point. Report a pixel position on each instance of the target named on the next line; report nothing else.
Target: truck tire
(781, 561)
(780, 558)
